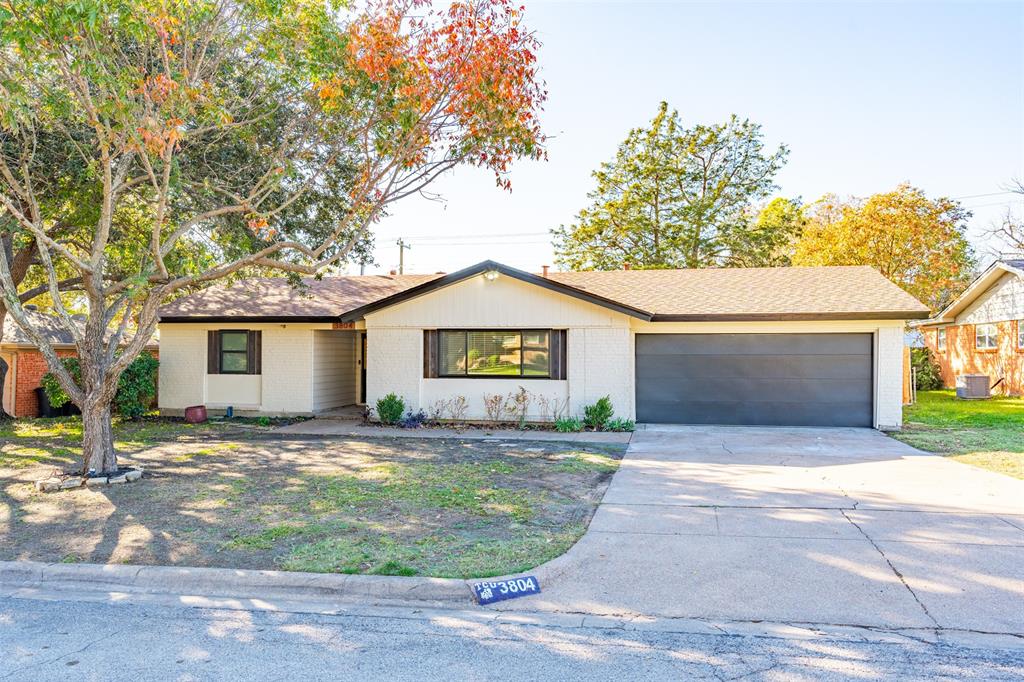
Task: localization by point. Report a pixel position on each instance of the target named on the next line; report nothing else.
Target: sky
(866, 95)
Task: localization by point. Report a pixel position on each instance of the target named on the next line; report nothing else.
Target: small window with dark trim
(495, 353)
(940, 340)
(234, 351)
(1020, 334)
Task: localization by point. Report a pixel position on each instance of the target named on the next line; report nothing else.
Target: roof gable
(500, 269)
(982, 284)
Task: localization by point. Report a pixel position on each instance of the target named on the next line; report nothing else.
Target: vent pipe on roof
(625, 266)
(393, 273)
(544, 270)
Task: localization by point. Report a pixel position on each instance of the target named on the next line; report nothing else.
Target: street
(51, 636)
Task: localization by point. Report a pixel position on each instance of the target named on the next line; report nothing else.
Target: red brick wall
(31, 368)
(961, 357)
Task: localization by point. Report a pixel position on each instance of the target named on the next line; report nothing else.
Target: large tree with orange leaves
(221, 126)
(917, 242)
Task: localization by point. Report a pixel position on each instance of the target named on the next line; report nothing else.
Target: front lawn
(984, 433)
(401, 506)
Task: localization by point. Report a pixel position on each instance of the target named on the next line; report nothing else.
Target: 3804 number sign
(500, 590)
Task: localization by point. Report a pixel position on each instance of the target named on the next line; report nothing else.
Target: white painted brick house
(786, 346)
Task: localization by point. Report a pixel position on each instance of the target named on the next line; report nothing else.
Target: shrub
(516, 406)
(619, 424)
(927, 370)
(568, 425)
(413, 420)
(494, 406)
(263, 421)
(390, 409)
(597, 415)
(135, 389)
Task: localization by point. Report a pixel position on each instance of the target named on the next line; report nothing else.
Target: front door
(362, 368)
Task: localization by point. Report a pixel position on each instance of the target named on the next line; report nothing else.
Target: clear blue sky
(866, 95)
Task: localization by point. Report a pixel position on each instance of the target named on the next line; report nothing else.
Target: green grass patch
(580, 462)
(265, 539)
(984, 433)
(444, 555)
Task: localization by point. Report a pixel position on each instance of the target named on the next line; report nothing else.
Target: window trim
(941, 340)
(222, 352)
(252, 352)
(434, 354)
(994, 336)
(1020, 335)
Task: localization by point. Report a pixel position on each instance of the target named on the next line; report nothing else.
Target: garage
(755, 379)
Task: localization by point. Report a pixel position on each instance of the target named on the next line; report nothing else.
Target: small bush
(927, 370)
(413, 420)
(135, 389)
(597, 415)
(390, 409)
(568, 425)
(619, 424)
(263, 421)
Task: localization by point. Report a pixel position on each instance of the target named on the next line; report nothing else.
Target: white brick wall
(889, 378)
(285, 386)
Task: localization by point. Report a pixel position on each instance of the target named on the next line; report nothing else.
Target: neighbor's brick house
(26, 365)
(982, 331)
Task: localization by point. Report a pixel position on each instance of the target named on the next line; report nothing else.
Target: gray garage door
(766, 379)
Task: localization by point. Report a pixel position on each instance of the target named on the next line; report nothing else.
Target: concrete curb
(228, 582)
(254, 584)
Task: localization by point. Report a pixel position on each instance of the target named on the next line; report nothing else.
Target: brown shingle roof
(713, 293)
(274, 297)
(750, 293)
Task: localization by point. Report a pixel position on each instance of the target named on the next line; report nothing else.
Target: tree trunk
(98, 437)
(4, 369)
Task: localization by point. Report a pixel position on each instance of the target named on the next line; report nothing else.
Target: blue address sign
(500, 590)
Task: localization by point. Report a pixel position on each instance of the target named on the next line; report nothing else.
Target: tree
(769, 240)
(221, 137)
(1009, 233)
(673, 197)
(917, 242)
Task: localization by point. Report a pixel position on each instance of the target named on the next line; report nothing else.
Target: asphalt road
(54, 638)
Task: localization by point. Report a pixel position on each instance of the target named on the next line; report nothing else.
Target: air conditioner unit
(972, 387)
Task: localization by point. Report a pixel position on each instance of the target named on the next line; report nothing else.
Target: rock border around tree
(62, 482)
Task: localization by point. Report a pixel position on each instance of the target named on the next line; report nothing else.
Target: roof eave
(488, 266)
(792, 317)
(293, 319)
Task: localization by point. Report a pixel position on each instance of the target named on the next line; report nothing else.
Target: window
(940, 340)
(234, 351)
(986, 337)
(495, 353)
(1020, 334)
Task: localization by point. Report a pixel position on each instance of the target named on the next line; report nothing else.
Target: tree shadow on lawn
(390, 506)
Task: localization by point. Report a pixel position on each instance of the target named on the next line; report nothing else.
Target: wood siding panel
(334, 369)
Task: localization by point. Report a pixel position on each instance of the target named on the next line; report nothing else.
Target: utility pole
(402, 246)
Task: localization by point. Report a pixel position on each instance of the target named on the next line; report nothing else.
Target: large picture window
(495, 353)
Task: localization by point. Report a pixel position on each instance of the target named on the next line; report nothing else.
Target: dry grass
(390, 506)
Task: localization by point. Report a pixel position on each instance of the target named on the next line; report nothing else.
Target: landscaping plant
(926, 369)
(413, 420)
(568, 425)
(597, 415)
(135, 389)
(390, 409)
(620, 424)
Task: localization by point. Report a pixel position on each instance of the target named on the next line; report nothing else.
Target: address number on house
(500, 590)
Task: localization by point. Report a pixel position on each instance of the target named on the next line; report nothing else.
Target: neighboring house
(982, 331)
(26, 365)
(788, 346)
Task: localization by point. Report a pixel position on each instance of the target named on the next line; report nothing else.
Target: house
(26, 365)
(786, 346)
(982, 331)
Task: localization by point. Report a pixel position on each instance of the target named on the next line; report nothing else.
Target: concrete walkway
(824, 526)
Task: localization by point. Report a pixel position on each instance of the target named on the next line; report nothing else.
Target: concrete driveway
(800, 525)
